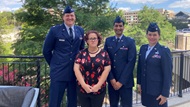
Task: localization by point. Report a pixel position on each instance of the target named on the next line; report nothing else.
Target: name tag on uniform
(122, 48)
(62, 40)
(109, 47)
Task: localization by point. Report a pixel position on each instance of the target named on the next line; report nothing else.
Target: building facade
(183, 16)
(132, 16)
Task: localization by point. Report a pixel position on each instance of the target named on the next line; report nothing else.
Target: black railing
(34, 71)
(181, 73)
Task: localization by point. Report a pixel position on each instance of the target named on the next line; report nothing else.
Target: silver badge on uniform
(80, 38)
(62, 40)
(156, 52)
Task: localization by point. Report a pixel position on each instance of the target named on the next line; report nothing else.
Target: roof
(181, 12)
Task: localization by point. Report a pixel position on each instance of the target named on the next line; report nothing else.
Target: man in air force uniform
(61, 46)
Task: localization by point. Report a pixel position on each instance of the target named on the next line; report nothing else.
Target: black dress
(92, 67)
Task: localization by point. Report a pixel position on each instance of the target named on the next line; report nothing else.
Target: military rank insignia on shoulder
(165, 47)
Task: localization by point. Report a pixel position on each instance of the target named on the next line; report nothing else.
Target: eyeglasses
(92, 39)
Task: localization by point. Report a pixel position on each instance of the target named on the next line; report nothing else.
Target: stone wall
(183, 41)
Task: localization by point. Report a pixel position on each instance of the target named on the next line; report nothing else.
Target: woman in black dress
(92, 66)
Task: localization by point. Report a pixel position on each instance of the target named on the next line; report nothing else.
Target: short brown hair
(96, 32)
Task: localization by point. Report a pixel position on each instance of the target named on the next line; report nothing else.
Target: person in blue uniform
(61, 46)
(122, 52)
(154, 70)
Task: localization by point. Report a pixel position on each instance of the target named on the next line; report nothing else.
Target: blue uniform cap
(153, 27)
(68, 9)
(118, 19)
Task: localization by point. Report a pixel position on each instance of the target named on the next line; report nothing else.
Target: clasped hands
(90, 89)
(116, 85)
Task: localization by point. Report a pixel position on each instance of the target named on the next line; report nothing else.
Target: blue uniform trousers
(57, 90)
(150, 101)
(124, 93)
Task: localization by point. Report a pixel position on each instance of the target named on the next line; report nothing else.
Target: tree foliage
(145, 16)
(95, 14)
(6, 26)
(6, 22)
(37, 16)
(1, 46)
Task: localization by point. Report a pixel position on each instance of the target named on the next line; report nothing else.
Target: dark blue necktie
(71, 34)
(117, 40)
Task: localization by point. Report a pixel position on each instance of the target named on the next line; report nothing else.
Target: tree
(6, 22)
(37, 17)
(36, 21)
(95, 14)
(2, 49)
(145, 16)
(6, 26)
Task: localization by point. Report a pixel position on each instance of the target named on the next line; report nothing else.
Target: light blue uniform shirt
(72, 30)
(148, 50)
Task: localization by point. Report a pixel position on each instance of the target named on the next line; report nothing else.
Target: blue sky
(10, 5)
(133, 5)
(129, 5)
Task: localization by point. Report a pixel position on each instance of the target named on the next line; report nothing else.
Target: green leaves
(37, 16)
(31, 40)
(6, 26)
(145, 16)
(95, 14)
(6, 22)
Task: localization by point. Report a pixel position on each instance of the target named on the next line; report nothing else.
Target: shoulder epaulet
(164, 46)
(78, 26)
(57, 25)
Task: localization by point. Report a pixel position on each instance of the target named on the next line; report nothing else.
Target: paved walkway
(180, 101)
(175, 101)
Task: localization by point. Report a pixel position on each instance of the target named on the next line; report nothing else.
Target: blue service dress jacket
(60, 52)
(123, 58)
(154, 73)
